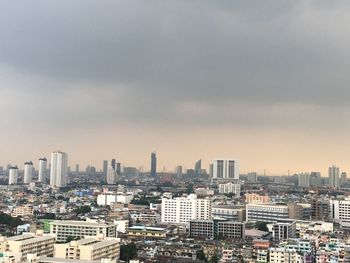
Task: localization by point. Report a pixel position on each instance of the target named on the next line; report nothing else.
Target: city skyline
(265, 83)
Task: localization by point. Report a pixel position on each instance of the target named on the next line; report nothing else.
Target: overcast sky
(266, 82)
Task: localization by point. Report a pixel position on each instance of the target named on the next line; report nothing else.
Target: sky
(264, 82)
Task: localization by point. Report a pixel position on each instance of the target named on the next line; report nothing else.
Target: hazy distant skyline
(265, 82)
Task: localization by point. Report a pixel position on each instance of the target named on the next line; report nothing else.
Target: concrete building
(254, 198)
(109, 198)
(267, 212)
(111, 175)
(229, 212)
(24, 210)
(13, 175)
(18, 248)
(89, 248)
(42, 170)
(304, 180)
(340, 212)
(252, 177)
(230, 188)
(153, 164)
(58, 172)
(146, 232)
(333, 174)
(217, 228)
(184, 209)
(225, 169)
(283, 255)
(283, 230)
(104, 167)
(343, 178)
(80, 229)
(28, 172)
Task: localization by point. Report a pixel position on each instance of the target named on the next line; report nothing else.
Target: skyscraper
(111, 175)
(113, 164)
(13, 175)
(343, 178)
(198, 167)
(105, 166)
(28, 172)
(304, 180)
(225, 169)
(42, 170)
(58, 171)
(153, 164)
(333, 174)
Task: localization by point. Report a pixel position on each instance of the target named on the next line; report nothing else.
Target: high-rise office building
(333, 174)
(42, 169)
(198, 167)
(179, 170)
(13, 175)
(113, 164)
(111, 175)
(225, 169)
(252, 177)
(153, 164)
(77, 168)
(105, 166)
(58, 171)
(28, 172)
(118, 169)
(343, 178)
(304, 180)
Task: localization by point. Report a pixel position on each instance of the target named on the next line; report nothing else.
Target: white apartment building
(340, 212)
(58, 172)
(80, 229)
(333, 175)
(42, 169)
(225, 169)
(304, 180)
(109, 198)
(228, 188)
(13, 175)
(89, 248)
(28, 172)
(17, 248)
(184, 209)
(111, 175)
(266, 212)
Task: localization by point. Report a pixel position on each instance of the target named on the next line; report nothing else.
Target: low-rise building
(89, 248)
(80, 229)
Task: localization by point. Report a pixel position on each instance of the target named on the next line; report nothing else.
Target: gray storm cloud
(86, 62)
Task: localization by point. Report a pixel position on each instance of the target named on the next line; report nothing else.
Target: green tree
(214, 258)
(261, 226)
(128, 252)
(83, 209)
(200, 255)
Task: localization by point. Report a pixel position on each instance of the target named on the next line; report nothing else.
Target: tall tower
(105, 166)
(42, 170)
(225, 169)
(28, 172)
(13, 175)
(198, 167)
(153, 164)
(111, 175)
(113, 163)
(58, 171)
(333, 174)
